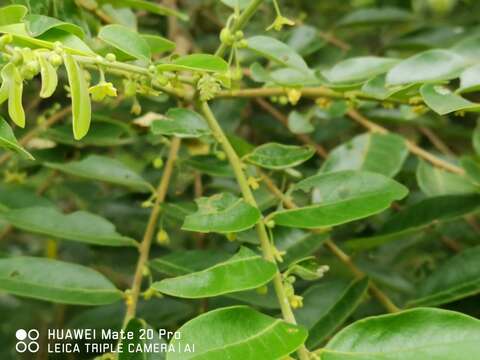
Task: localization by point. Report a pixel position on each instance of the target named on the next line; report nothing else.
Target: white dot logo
(30, 345)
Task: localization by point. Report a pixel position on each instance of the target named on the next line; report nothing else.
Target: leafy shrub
(171, 171)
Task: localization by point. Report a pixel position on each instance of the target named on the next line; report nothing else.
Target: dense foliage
(271, 179)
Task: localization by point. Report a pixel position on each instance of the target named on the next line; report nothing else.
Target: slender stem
(144, 249)
(265, 245)
(240, 23)
(382, 298)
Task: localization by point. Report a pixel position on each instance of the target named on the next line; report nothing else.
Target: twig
(144, 249)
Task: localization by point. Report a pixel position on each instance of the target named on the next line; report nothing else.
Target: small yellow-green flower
(102, 90)
(280, 22)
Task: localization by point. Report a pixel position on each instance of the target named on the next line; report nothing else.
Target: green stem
(265, 245)
(240, 23)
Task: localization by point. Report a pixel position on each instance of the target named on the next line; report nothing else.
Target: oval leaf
(103, 168)
(358, 69)
(196, 62)
(78, 226)
(56, 281)
(49, 77)
(126, 40)
(246, 270)
(412, 334)
(431, 65)
(278, 156)
(380, 153)
(222, 213)
(81, 106)
(343, 196)
(249, 332)
(182, 123)
(443, 101)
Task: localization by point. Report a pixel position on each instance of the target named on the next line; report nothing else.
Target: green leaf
(377, 88)
(249, 332)
(278, 156)
(418, 216)
(182, 123)
(106, 169)
(196, 62)
(12, 89)
(327, 305)
(375, 17)
(413, 334)
(443, 101)
(431, 65)
(279, 52)
(81, 106)
(244, 271)
(8, 140)
(158, 44)
(434, 181)
(56, 281)
(210, 165)
(126, 40)
(147, 6)
(359, 69)
(299, 123)
(470, 80)
(222, 213)
(380, 153)
(40, 24)
(12, 14)
(49, 78)
(242, 4)
(457, 278)
(15, 197)
(184, 262)
(341, 197)
(78, 226)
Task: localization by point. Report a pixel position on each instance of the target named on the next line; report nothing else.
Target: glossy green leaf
(418, 216)
(341, 197)
(210, 165)
(470, 80)
(249, 332)
(278, 156)
(359, 69)
(147, 6)
(455, 279)
(12, 14)
(49, 78)
(443, 101)
(103, 168)
(378, 89)
(277, 51)
(158, 44)
(14, 83)
(222, 213)
(375, 16)
(196, 62)
(126, 40)
(55, 281)
(434, 181)
(40, 24)
(244, 271)
(413, 334)
(81, 106)
(431, 65)
(381, 153)
(242, 4)
(182, 123)
(8, 140)
(299, 123)
(327, 305)
(78, 226)
(468, 48)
